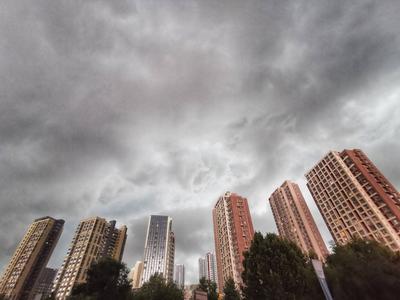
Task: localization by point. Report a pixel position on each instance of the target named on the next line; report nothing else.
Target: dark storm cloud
(129, 108)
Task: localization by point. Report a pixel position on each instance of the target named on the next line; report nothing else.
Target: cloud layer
(129, 108)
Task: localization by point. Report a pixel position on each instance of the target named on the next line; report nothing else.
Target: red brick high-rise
(355, 199)
(294, 220)
(233, 233)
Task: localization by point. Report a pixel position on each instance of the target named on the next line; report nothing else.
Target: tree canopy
(230, 291)
(363, 269)
(158, 289)
(209, 287)
(275, 268)
(106, 279)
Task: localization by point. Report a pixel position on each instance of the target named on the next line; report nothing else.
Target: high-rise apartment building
(159, 250)
(233, 233)
(202, 268)
(294, 220)
(180, 276)
(95, 238)
(137, 274)
(211, 267)
(20, 278)
(207, 267)
(355, 199)
(45, 284)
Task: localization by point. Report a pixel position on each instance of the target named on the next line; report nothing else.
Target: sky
(123, 109)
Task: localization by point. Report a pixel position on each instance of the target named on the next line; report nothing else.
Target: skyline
(276, 230)
(126, 109)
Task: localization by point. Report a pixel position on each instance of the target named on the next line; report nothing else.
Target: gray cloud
(129, 108)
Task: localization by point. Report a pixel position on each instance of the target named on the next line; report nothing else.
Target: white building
(180, 276)
(202, 268)
(207, 267)
(211, 267)
(159, 250)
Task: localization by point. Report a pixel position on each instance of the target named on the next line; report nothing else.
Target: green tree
(209, 287)
(203, 284)
(106, 279)
(275, 268)
(230, 291)
(212, 291)
(157, 289)
(363, 269)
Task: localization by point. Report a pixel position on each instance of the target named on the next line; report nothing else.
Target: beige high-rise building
(355, 199)
(294, 220)
(137, 274)
(95, 238)
(20, 279)
(233, 233)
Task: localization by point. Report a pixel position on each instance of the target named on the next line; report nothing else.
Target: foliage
(106, 279)
(157, 289)
(203, 285)
(363, 269)
(212, 291)
(230, 291)
(52, 296)
(275, 268)
(209, 287)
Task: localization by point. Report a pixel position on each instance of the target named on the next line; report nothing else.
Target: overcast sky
(123, 109)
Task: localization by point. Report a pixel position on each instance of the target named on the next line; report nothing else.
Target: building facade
(233, 233)
(180, 276)
(199, 295)
(137, 274)
(211, 267)
(202, 268)
(159, 250)
(355, 199)
(189, 291)
(294, 220)
(21, 275)
(45, 284)
(207, 267)
(95, 238)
